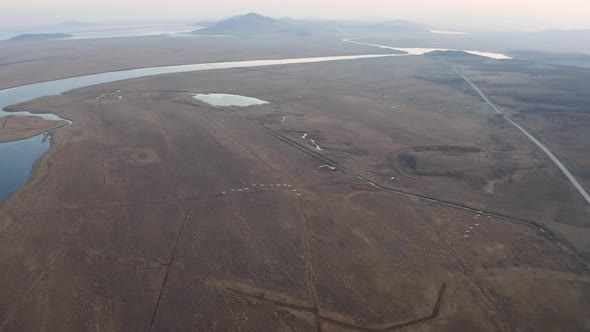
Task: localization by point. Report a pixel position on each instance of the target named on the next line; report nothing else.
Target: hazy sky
(498, 14)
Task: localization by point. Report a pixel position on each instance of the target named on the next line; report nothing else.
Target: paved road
(549, 154)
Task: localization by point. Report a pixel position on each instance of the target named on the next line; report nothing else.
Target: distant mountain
(400, 26)
(567, 59)
(391, 26)
(204, 24)
(39, 36)
(570, 36)
(74, 24)
(584, 33)
(254, 24)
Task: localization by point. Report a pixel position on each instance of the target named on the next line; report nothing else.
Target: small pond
(220, 99)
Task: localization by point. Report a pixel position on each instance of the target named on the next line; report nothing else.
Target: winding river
(422, 50)
(18, 158)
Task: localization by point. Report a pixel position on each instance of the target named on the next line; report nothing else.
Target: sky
(482, 14)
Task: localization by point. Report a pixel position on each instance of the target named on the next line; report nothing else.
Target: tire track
(8, 318)
(157, 118)
(274, 302)
(394, 326)
(401, 192)
(550, 235)
(308, 265)
(370, 328)
(187, 216)
(314, 309)
(480, 286)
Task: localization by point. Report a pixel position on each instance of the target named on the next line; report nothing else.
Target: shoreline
(26, 127)
(36, 91)
(38, 172)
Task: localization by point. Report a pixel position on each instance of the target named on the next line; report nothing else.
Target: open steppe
(158, 212)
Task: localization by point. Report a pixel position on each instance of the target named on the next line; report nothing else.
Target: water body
(317, 147)
(332, 168)
(17, 158)
(306, 136)
(25, 93)
(133, 31)
(108, 31)
(220, 99)
(445, 32)
(422, 51)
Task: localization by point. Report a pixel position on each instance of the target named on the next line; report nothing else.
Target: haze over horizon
(473, 14)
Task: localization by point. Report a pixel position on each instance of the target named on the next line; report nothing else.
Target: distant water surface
(106, 31)
(423, 50)
(446, 32)
(133, 31)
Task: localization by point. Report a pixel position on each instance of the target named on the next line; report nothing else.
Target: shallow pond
(221, 99)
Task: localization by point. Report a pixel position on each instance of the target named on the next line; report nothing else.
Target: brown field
(157, 212)
(13, 128)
